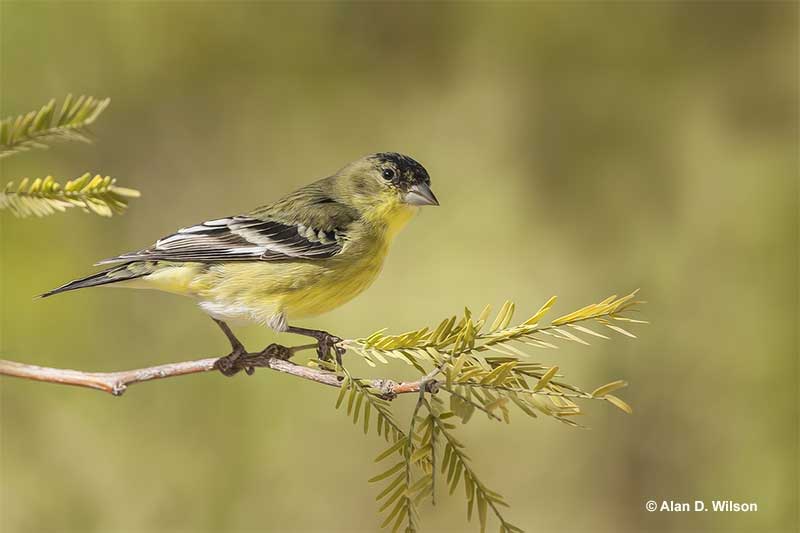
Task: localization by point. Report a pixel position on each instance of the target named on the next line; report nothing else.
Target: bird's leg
(325, 342)
(228, 364)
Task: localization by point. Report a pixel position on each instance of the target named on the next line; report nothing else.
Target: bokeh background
(578, 149)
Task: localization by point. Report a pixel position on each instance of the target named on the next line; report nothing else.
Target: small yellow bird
(301, 256)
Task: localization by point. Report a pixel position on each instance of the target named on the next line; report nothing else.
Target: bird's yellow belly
(329, 289)
(267, 292)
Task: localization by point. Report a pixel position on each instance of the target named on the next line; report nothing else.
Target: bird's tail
(114, 274)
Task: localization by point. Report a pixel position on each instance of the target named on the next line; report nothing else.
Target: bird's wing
(243, 238)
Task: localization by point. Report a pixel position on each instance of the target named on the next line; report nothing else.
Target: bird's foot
(327, 343)
(230, 365)
(241, 360)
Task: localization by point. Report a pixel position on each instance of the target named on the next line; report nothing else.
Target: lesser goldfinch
(301, 256)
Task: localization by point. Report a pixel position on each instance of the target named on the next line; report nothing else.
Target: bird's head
(387, 180)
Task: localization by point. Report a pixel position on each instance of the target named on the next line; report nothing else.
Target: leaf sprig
(45, 196)
(483, 367)
(37, 128)
(41, 197)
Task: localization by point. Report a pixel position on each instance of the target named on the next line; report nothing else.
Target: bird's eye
(387, 174)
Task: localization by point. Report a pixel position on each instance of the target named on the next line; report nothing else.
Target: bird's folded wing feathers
(242, 238)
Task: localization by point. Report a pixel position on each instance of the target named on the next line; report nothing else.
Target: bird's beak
(420, 194)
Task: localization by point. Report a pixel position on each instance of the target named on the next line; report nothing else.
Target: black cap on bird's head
(408, 176)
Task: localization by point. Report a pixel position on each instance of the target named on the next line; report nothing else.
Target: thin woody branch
(117, 382)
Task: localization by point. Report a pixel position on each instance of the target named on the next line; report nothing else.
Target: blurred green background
(578, 149)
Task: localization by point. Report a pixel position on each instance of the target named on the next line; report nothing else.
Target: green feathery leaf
(434, 345)
(37, 128)
(42, 197)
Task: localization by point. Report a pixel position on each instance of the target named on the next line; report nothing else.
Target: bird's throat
(390, 218)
